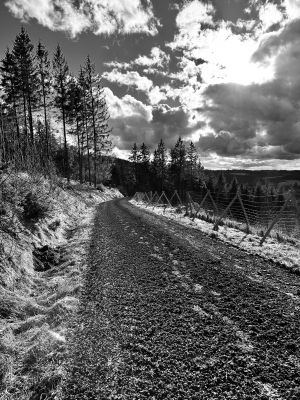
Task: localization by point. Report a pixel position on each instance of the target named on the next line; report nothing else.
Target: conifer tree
(161, 164)
(193, 166)
(74, 117)
(85, 136)
(178, 163)
(61, 72)
(26, 77)
(9, 86)
(43, 70)
(145, 154)
(145, 167)
(98, 114)
(135, 158)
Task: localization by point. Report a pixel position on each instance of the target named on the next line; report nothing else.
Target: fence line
(261, 214)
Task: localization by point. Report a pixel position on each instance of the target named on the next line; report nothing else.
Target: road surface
(170, 313)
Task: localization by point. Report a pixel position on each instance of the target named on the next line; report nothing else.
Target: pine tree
(85, 137)
(145, 167)
(74, 117)
(26, 78)
(10, 114)
(9, 83)
(98, 113)
(194, 167)
(162, 164)
(43, 70)
(178, 163)
(145, 155)
(135, 158)
(61, 72)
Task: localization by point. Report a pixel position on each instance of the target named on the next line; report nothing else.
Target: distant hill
(270, 177)
(123, 179)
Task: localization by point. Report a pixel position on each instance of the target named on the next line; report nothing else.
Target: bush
(33, 209)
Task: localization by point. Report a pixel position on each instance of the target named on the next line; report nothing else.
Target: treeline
(261, 202)
(36, 94)
(178, 168)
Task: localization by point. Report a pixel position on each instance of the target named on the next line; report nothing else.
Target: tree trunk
(30, 118)
(2, 138)
(67, 171)
(45, 118)
(79, 152)
(87, 141)
(95, 138)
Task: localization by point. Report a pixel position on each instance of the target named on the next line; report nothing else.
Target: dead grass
(36, 307)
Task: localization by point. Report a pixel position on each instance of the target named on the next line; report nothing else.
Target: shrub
(33, 208)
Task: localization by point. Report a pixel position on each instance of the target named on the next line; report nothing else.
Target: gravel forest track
(169, 313)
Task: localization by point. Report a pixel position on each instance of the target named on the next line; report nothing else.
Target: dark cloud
(224, 143)
(167, 123)
(170, 123)
(253, 119)
(129, 130)
(276, 42)
(198, 61)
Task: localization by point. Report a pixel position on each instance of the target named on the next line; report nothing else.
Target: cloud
(269, 14)
(100, 16)
(128, 106)
(130, 120)
(133, 121)
(129, 78)
(218, 42)
(224, 143)
(192, 15)
(255, 121)
(272, 44)
(157, 58)
(134, 80)
(292, 9)
(170, 123)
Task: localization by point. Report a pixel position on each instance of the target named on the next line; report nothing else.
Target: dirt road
(169, 313)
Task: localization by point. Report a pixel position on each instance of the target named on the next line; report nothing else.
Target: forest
(37, 93)
(180, 168)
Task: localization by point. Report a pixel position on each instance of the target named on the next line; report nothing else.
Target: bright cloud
(292, 8)
(192, 15)
(127, 106)
(227, 47)
(269, 14)
(157, 58)
(101, 16)
(129, 78)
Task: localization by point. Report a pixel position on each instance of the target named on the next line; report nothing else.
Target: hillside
(45, 228)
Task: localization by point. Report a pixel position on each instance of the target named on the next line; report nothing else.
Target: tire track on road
(160, 320)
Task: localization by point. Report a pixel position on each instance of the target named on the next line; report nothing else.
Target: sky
(223, 73)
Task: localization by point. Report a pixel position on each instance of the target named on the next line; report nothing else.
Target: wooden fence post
(165, 196)
(178, 197)
(244, 211)
(147, 197)
(275, 220)
(151, 197)
(159, 198)
(215, 228)
(213, 202)
(200, 205)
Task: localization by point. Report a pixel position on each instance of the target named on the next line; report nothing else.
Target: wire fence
(265, 215)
